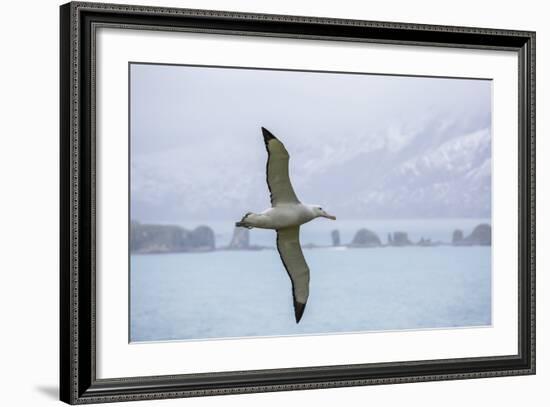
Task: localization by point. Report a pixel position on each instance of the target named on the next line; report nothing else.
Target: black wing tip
(268, 135)
(299, 310)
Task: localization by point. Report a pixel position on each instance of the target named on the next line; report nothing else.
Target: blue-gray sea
(224, 294)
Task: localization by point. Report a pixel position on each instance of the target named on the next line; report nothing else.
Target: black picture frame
(78, 382)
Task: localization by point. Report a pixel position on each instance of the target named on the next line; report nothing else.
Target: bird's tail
(243, 223)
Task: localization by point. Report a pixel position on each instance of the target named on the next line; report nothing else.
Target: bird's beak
(326, 215)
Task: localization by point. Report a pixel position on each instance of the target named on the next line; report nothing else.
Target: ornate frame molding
(78, 383)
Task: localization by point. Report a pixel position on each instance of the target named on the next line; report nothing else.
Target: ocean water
(225, 294)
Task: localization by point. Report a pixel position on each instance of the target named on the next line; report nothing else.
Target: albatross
(286, 215)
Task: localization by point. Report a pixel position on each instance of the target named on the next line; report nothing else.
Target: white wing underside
(288, 245)
(278, 179)
(288, 238)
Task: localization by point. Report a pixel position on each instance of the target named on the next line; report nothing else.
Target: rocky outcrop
(365, 238)
(335, 235)
(401, 239)
(458, 236)
(202, 238)
(240, 239)
(480, 236)
(424, 242)
(146, 238)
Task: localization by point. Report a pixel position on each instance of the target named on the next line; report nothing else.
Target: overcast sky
(362, 145)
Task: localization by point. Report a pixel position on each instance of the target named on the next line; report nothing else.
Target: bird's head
(320, 212)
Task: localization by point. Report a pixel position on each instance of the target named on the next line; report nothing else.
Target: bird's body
(280, 217)
(285, 216)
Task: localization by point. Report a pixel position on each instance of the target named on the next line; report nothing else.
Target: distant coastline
(165, 238)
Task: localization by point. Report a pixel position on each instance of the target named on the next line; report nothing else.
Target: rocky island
(365, 238)
(335, 236)
(241, 241)
(157, 238)
(170, 239)
(480, 236)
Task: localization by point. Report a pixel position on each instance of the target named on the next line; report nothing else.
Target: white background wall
(29, 163)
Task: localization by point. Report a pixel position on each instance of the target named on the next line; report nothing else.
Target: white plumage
(286, 215)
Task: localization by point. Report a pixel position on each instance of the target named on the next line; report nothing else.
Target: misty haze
(403, 162)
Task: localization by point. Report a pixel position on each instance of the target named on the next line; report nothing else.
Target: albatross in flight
(286, 215)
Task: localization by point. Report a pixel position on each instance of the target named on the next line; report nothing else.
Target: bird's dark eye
(320, 208)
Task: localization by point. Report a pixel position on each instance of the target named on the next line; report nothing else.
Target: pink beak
(329, 216)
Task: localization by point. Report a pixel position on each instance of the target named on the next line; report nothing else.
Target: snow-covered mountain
(447, 176)
(360, 145)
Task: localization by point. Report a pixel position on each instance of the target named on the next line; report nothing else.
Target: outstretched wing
(278, 180)
(288, 245)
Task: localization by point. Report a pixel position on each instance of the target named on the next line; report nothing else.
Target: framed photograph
(254, 203)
